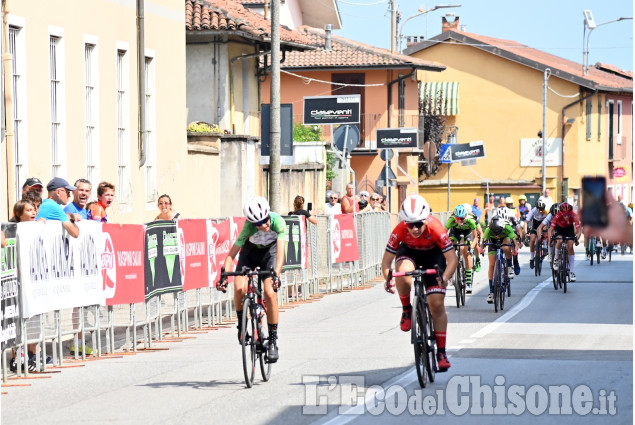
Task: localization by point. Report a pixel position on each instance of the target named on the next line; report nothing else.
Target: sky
(553, 26)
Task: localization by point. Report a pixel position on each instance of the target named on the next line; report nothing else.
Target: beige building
(73, 104)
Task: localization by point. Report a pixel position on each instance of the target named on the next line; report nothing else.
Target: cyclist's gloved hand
(389, 286)
(577, 242)
(221, 285)
(275, 282)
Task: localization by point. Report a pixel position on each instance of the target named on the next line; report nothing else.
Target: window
(91, 114)
(56, 75)
(17, 52)
(599, 118)
(123, 120)
(150, 118)
(589, 111)
(619, 122)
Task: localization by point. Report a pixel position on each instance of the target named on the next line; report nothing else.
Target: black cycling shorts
(251, 256)
(425, 259)
(566, 232)
(535, 224)
(457, 233)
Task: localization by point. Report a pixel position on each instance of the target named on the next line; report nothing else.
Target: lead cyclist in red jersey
(566, 224)
(421, 241)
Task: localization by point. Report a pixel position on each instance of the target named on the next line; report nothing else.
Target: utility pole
(392, 26)
(274, 133)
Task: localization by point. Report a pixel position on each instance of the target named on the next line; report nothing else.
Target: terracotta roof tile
(346, 53)
(227, 15)
(532, 57)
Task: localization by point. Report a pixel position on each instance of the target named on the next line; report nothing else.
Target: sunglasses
(374, 199)
(333, 199)
(261, 222)
(416, 224)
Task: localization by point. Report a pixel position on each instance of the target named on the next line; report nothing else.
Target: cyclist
(420, 240)
(545, 225)
(461, 226)
(510, 217)
(535, 217)
(523, 210)
(261, 243)
(479, 232)
(565, 223)
(499, 229)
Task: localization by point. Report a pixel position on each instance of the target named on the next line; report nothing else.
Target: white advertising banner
(56, 270)
(531, 152)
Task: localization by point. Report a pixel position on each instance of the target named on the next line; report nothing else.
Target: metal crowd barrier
(115, 328)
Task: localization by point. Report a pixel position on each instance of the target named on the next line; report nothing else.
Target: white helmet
(256, 209)
(468, 208)
(414, 208)
(502, 212)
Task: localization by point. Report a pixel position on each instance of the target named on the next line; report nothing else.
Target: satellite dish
(387, 154)
(346, 137)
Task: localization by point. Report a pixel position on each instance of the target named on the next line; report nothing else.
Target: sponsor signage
(396, 138)
(193, 253)
(162, 260)
(122, 263)
(11, 330)
(344, 239)
(296, 248)
(455, 152)
(531, 152)
(332, 109)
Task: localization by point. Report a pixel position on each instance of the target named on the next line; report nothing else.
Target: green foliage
(330, 162)
(203, 127)
(307, 133)
(434, 128)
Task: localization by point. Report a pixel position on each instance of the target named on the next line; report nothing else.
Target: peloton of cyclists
(535, 219)
(420, 240)
(500, 230)
(565, 224)
(461, 226)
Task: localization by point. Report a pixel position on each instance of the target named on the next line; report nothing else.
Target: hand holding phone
(594, 203)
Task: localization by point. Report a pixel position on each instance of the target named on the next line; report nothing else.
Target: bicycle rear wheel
(248, 342)
(591, 250)
(555, 276)
(418, 340)
(464, 284)
(458, 276)
(263, 341)
(598, 252)
(430, 346)
(497, 284)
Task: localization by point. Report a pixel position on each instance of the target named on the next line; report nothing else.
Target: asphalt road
(576, 346)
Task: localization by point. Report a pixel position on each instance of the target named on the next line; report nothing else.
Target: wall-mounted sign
(531, 152)
(396, 138)
(332, 109)
(454, 152)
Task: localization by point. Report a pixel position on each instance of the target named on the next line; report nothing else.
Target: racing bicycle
(561, 275)
(501, 280)
(459, 275)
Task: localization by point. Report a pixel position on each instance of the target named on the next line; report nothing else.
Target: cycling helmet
(501, 212)
(522, 198)
(554, 209)
(565, 207)
(468, 208)
(496, 225)
(460, 212)
(414, 208)
(256, 209)
(509, 200)
(541, 205)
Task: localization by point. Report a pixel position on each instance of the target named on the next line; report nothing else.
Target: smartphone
(309, 206)
(594, 208)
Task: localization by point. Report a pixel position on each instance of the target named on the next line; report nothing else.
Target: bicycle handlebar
(246, 271)
(497, 244)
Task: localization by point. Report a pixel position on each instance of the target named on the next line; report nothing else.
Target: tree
(433, 130)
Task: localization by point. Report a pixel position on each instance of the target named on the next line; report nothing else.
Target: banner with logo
(343, 239)
(122, 263)
(296, 245)
(220, 238)
(11, 331)
(531, 152)
(56, 270)
(162, 262)
(193, 253)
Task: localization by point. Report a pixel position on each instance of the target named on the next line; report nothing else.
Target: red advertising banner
(220, 238)
(193, 253)
(122, 263)
(343, 239)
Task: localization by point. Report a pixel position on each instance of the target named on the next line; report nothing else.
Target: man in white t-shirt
(333, 207)
(548, 200)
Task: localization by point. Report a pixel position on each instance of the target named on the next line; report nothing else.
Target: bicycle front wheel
(430, 345)
(248, 339)
(419, 340)
(497, 284)
(458, 274)
(265, 367)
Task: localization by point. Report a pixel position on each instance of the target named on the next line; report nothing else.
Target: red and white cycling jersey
(566, 220)
(434, 235)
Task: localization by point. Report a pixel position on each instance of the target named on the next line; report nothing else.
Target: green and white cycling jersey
(508, 232)
(468, 224)
(263, 239)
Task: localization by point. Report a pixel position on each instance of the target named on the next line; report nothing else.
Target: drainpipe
(141, 76)
(564, 195)
(403, 77)
(8, 109)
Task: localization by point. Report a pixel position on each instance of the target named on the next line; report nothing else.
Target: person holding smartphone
(565, 224)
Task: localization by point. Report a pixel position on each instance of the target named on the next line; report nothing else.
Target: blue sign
(445, 155)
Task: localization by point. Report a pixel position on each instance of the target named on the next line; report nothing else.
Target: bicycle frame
(459, 279)
(500, 279)
(563, 270)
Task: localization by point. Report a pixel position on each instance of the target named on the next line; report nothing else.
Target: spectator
(620, 227)
(383, 203)
(364, 206)
(34, 197)
(105, 197)
(375, 203)
(476, 210)
(364, 196)
(165, 206)
(32, 184)
(59, 193)
(501, 201)
(23, 211)
(333, 207)
(298, 209)
(490, 206)
(548, 199)
(77, 208)
(349, 201)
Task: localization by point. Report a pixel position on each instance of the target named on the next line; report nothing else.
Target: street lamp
(591, 25)
(421, 12)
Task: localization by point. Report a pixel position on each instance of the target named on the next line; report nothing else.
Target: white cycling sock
(571, 263)
(532, 255)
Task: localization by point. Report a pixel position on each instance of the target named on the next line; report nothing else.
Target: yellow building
(500, 102)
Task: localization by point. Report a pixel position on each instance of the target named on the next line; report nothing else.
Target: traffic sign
(386, 154)
(346, 137)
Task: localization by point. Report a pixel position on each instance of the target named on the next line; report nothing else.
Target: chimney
(450, 26)
(327, 43)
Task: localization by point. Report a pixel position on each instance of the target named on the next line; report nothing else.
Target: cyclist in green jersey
(461, 226)
(261, 244)
(479, 233)
(499, 229)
